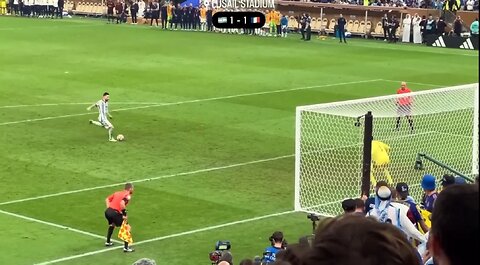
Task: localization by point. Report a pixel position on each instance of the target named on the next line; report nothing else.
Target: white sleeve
(410, 229)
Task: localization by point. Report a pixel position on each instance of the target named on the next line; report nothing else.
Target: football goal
(329, 147)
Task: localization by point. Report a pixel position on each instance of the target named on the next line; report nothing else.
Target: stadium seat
(368, 28)
(292, 22)
(378, 32)
(356, 24)
(350, 25)
(314, 24)
(331, 26)
(361, 28)
(324, 24)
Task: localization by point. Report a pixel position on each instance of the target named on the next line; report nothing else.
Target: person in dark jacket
(61, 5)
(209, 19)
(341, 22)
(458, 26)
(134, 11)
(384, 26)
(441, 25)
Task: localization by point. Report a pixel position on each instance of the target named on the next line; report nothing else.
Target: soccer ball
(120, 137)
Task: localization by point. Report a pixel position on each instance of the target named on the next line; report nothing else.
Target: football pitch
(209, 122)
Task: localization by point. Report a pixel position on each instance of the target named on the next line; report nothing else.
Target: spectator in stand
(392, 33)
(155, 9)
(447, 180)
(417, 29)
(428, 186)
(370, 201)
(458, 26)
(441, 26)
(226, 258)
(134, 11)
(474, 28)
(469, 5)
(270, 252)
(246, 262)
(460, 181)
(385, 26)
(407, 25)
(357, 240)
(454, 237)
(402, 192)
(386, 211)
(431, 26)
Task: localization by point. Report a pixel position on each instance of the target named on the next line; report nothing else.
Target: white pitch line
(194, 101)
(76, 103)
(55, 225)
(168, 237)
(193, 172)
(149, 179)
(415, 83)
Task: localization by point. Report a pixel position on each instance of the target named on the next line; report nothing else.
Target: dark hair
(368, 242)
(106, 94)
(277, 236)
(381, 183)
(455, 220)
(128, 186)
(246, 262)
(359, 203)
(226, 256)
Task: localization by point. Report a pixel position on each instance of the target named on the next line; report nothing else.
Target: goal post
(329, 143)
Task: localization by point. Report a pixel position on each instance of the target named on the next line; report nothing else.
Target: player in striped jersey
(103, 115)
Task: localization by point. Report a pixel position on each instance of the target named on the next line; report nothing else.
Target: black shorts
(113, 217)
(110, 11)
(404, 110)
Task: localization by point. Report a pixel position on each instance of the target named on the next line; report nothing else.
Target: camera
(220, 246)
(418, 164)
(313, 217)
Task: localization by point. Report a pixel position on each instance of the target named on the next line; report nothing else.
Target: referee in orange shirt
(116, 212)
(404, 106)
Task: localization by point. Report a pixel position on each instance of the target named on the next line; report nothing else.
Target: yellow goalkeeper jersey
(380, 153)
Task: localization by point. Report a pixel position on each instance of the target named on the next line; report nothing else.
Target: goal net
(329, 143)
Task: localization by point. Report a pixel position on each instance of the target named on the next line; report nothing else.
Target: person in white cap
(387, 211)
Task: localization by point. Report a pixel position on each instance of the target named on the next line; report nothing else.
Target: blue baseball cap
(428, 182)
(460, 180)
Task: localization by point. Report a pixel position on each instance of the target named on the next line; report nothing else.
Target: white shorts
(105, 123)
(203, 20)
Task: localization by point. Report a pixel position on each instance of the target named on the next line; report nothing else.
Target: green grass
(74, 61)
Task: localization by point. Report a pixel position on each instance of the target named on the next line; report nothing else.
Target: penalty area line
(54, 225)
(160, 238)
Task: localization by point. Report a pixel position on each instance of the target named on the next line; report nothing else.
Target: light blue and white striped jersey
(102, 109)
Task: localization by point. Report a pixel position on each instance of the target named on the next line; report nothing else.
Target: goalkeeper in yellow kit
(380, 162)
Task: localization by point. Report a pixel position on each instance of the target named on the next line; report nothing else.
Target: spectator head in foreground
(352, 239)
(145, 261)
(226, 258)
(460, 180)
(402, 190)
(454, 238)
(447, 180)
(246, 262)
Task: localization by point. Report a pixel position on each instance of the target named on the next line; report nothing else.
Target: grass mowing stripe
(169, 236)
(54, 225)
(149, 179)
(415, 83)
(188, 172)
(194, 101)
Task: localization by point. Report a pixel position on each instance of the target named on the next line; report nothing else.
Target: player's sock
(398, 124)
(109, 234)
(96, 123)
(410, 122)
(110, 133)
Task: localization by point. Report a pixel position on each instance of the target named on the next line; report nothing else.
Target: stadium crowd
(389, 228)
